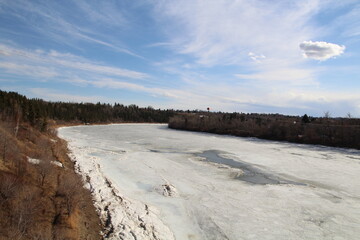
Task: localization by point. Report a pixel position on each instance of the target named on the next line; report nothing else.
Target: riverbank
(41, 195)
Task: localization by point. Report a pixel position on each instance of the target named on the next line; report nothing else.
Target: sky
(265, 56)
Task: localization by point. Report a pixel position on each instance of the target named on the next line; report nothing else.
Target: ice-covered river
(153, 182)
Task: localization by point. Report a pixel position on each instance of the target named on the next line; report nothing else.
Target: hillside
(41, 197)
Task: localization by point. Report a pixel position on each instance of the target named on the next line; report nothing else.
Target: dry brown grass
(41, 201)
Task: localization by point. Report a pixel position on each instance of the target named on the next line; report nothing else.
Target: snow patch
(38, 161)
(33, 160)
(57, 163)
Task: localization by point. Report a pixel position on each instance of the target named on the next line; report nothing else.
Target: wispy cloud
(291, 75)
(346, 24)
(28, 70)
(52, 20)
(50, 63)
(224, 32)
(103, 12)
(117, 84)
(260, 38)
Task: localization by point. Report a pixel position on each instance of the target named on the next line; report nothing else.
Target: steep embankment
(41, 197)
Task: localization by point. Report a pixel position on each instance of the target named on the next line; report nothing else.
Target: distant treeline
(338, 132)
(37, 112)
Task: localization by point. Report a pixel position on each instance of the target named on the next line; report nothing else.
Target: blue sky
(278, 56)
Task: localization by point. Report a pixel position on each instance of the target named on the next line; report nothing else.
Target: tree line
(337, 132)
(37, 112)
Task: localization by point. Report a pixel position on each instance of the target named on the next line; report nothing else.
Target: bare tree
(3, 143)
(23, 216)
(71, 188)
(45, 169)
(18, 116)
(21, 164)
(9, 185)
(4, 147)
(9, 148)
(327, 114)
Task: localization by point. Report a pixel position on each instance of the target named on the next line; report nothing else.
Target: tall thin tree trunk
(18, 116)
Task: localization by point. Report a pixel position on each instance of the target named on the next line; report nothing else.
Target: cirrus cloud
(321, 50)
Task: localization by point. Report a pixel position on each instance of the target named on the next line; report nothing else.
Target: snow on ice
(151, 182)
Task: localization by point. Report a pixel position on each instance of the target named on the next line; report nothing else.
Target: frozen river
(153, 182)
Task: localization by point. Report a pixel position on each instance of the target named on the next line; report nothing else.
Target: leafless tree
(18, 116)
(3, 144)
(327, 114)
(4, 147)
(9, 185)
(71, 188)
(45, 169)
(23, 217)
(21, 164)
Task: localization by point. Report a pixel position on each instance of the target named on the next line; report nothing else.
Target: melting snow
(37, 161)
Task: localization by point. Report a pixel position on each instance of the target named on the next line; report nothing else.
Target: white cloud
(256, 58)
(321, 50)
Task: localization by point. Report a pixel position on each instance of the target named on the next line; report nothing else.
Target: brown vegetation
(41, 200)
(338, 132)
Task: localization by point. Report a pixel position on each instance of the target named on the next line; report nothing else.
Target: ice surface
(132, 169)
